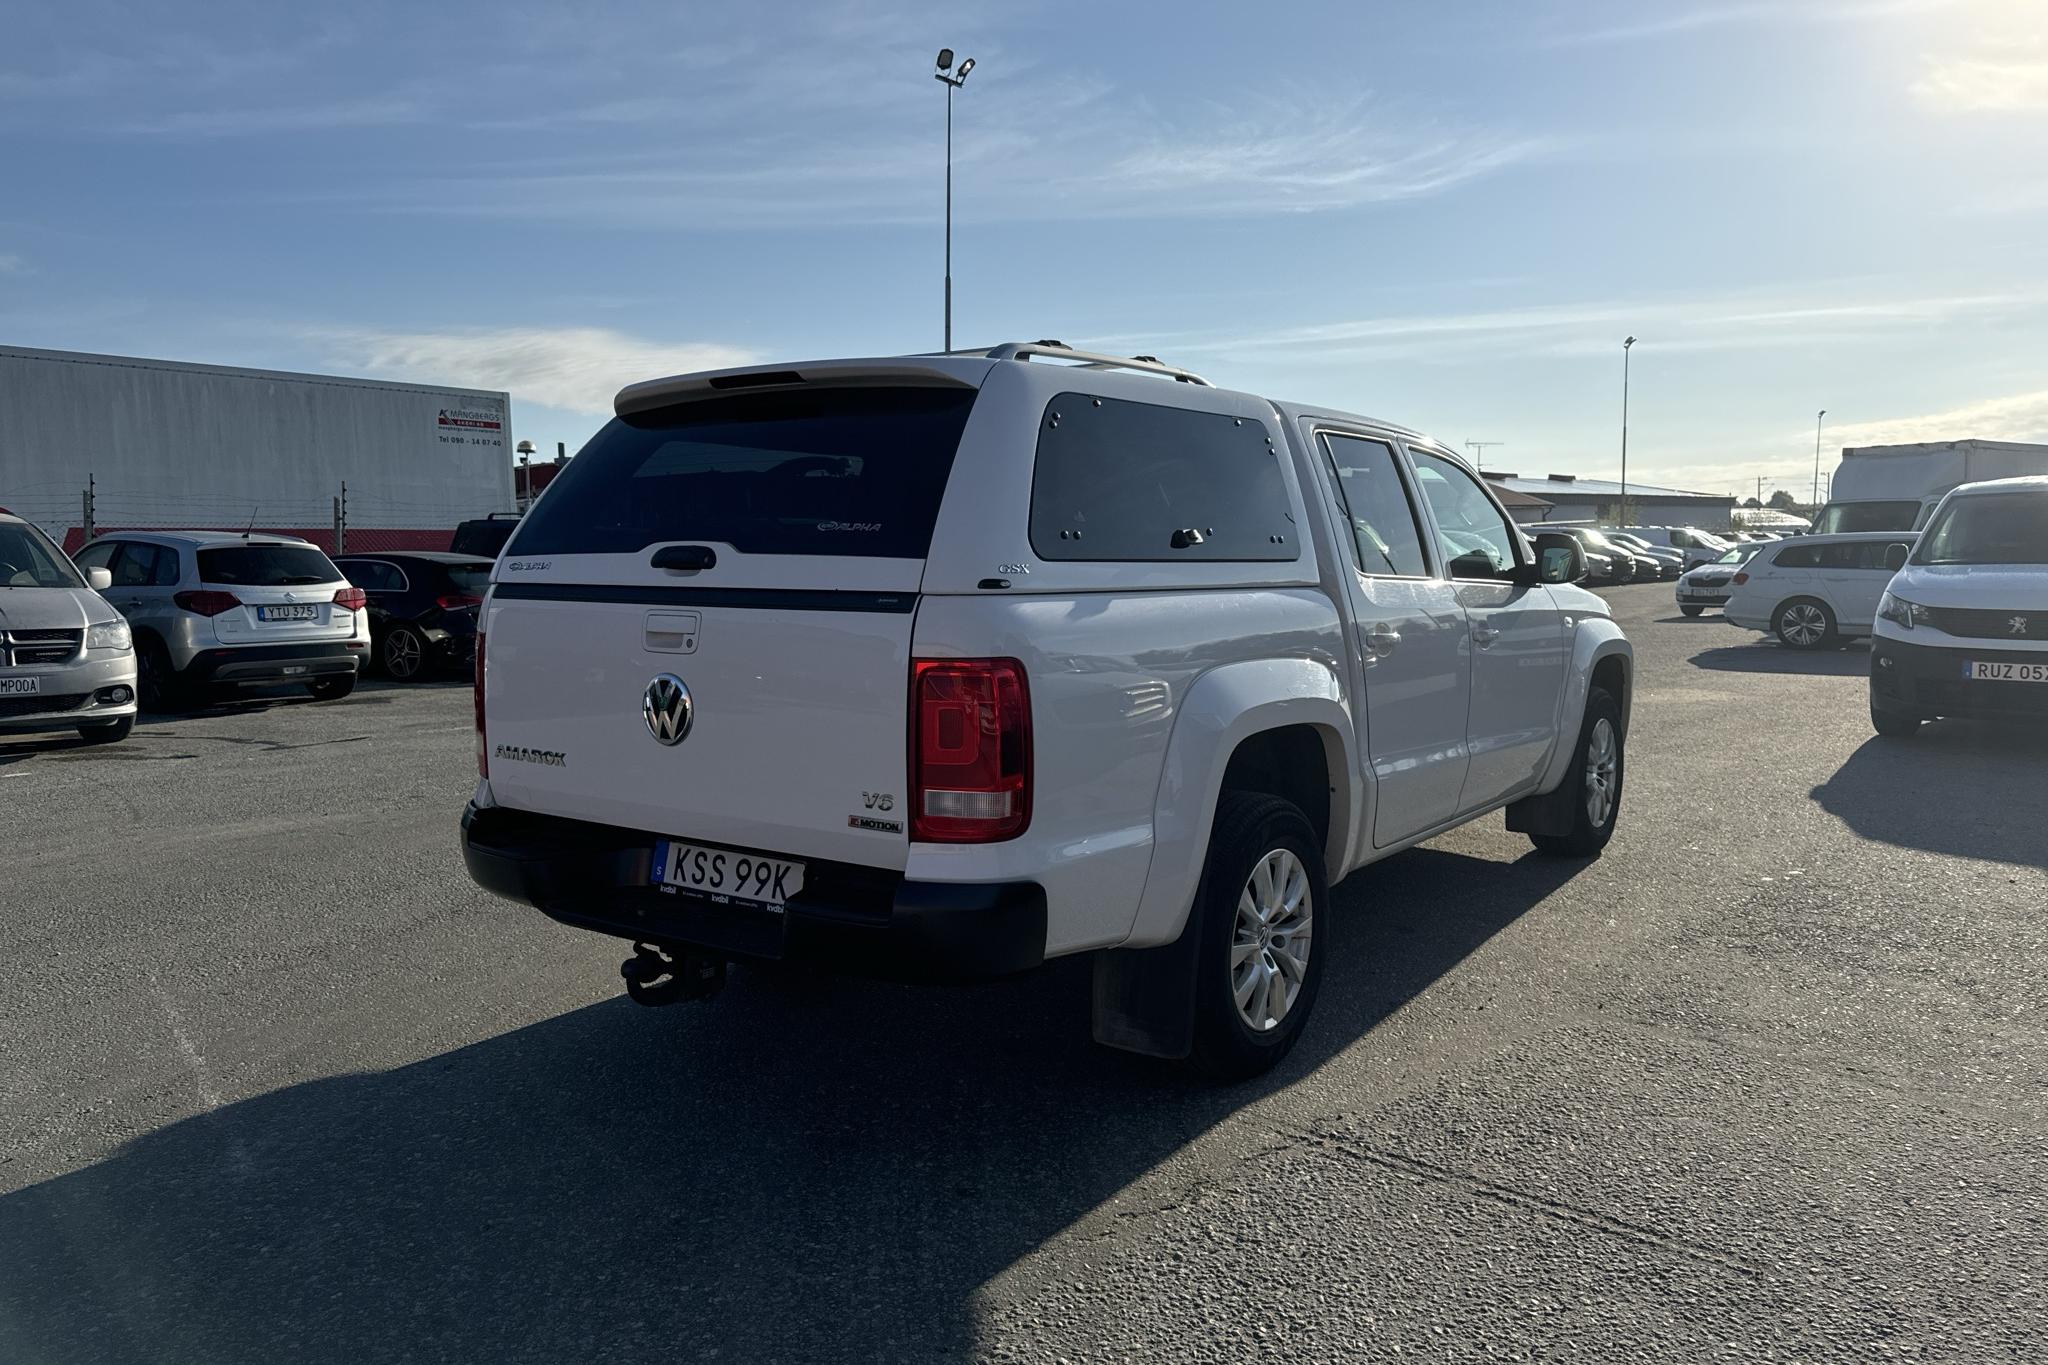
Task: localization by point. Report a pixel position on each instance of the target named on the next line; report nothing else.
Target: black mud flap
(1551, 814)
(1145, 997)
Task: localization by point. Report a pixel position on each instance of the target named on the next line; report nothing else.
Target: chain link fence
(352, 521)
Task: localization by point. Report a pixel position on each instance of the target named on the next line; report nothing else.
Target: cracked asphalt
(1768, 1081)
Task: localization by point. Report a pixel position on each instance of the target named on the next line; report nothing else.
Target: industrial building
(1569, 498)
(94, 443)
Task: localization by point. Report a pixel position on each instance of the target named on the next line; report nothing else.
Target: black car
(423, 607)
(484, 535)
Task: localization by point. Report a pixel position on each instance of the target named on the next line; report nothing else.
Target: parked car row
(174, 620)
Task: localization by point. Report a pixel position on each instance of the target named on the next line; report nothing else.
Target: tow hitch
(653, 977)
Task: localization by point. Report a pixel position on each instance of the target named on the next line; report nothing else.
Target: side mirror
(99, 580)
(1559, 558)
(1895, 557)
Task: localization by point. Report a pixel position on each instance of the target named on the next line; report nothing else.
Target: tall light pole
(1627, 344)
(952, 80)
(1816, 455)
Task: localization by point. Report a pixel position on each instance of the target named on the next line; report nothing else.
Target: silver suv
(65, 657)
(216, 611)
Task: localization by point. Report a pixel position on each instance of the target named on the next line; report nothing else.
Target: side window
(1119, 480)
(1847, 555)
(373, 575)
(1798, 557)
(1870, 554)
(1475, 539)
(165, 574)
(134, 565)
(1370, 493)
(98, 555)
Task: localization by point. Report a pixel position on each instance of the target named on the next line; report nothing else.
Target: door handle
(1382, 639)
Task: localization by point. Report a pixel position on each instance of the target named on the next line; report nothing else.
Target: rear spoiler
(964, 372)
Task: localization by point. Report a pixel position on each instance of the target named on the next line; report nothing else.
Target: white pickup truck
(945, 665)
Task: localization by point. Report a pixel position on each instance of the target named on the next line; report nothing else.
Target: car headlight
(1901, 613)
(113, 635)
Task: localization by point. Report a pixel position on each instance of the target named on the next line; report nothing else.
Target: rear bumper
(266, 665)
(859, 920)
(1930, 680)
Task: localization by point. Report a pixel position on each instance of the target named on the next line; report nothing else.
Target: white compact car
(945, 665)
(1816, 591)
(217, 611)
(1963, 628)
(66, 661)
(1697, 546)
(1711, 585)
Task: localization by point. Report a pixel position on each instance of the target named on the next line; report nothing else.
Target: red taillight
(1740, 579)
(970, 750)
(351, 599)
(206, 601)
(483, 750)
(457, 601)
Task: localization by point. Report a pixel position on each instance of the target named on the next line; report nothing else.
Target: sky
(1446, 215)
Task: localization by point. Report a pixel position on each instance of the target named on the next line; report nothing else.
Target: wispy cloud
(2014, 417)
(371, 111)
(577, 369)
(1678, 22)
(11, 264)
(1669, 324)
(1978, 85)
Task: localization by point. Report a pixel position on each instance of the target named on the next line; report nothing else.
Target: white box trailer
(1894, 488)
(160, 443)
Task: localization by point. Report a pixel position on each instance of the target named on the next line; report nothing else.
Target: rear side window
(266, 566)
(373, 575)
(1382, 518)
(1799, 557)
(1118, 480)
(856, 472)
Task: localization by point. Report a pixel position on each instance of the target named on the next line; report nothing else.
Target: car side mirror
(1559, 558)
(99, 580)
(1895, 557)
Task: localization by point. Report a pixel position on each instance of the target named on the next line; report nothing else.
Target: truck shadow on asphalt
(1850, 661)
(808, 1169)
(1967, 789)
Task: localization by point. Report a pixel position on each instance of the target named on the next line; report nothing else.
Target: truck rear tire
(1595, 781)
(1262, 915)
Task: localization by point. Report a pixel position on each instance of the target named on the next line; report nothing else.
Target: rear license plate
(2008, 672)
(299, 613)
(724, 875)
(20, 687)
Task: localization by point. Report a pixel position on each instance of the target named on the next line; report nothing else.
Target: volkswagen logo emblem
(667, 709)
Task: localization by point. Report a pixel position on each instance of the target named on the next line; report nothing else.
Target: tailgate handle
(684, 557)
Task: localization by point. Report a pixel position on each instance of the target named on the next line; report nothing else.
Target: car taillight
(483, 750)
(206, 601)
(457, 601)
(1740, 579)
(970, 750)
(351, 599)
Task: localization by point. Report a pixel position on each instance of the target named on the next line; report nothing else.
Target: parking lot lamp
(1626, 344)
(952, 79)
(1816, 455)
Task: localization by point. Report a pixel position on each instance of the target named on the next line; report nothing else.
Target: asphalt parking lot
(1768, 1080)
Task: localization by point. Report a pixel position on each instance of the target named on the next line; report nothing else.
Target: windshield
(29, 560)
(1991, 528)
(1866, 516)
(1739, 555)
(267, 566)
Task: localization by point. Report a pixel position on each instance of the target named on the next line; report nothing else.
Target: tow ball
(654, 977)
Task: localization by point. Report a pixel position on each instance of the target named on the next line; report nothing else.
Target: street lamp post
(525, 452)
(952, 80)
(1627, 344)
(1816, 455)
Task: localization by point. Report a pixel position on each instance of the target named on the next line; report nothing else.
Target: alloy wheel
(1803, 624)
(1274, 934)
(1603, 765)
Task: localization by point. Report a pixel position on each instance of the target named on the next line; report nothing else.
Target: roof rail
(1089, 360)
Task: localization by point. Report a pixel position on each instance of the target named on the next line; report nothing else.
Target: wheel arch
(1260, 723)
(1601, 656)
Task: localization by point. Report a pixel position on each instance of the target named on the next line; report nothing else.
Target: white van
(1963, 628)
(1815, 591)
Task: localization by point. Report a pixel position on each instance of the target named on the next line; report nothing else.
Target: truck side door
(1519, 644)
(1408, 652)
